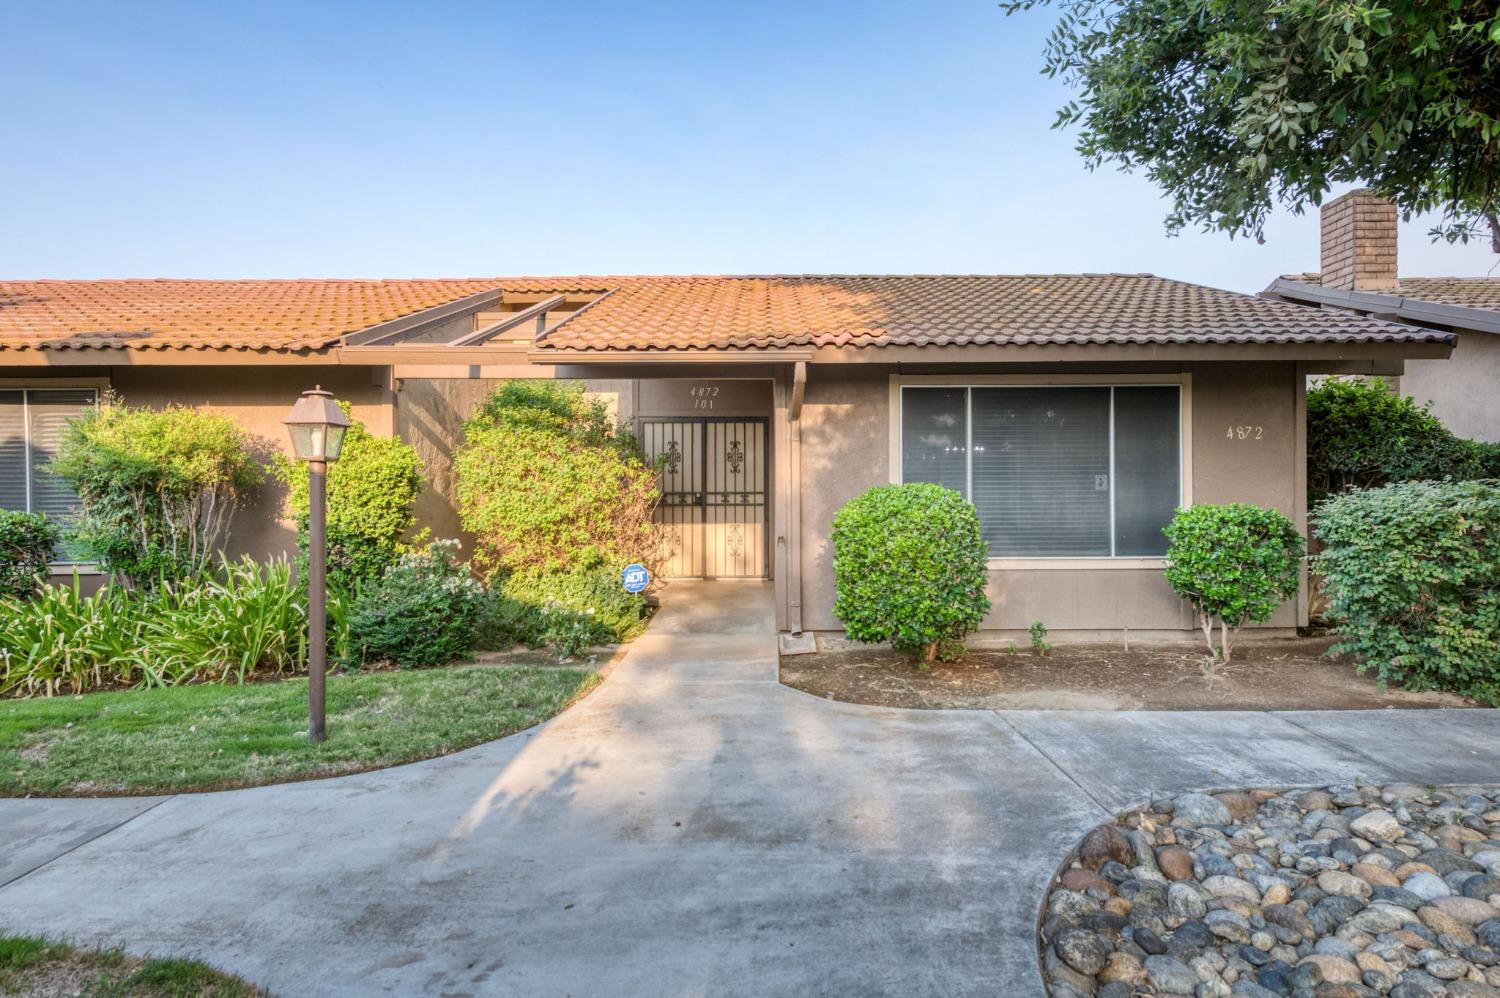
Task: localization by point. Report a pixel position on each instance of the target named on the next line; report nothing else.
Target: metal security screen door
(714, 475)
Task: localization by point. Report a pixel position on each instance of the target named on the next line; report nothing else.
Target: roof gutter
(1411, 310)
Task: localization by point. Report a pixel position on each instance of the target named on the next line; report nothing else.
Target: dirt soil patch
(1282, 675)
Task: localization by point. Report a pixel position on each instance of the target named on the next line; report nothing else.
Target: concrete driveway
(692, 828)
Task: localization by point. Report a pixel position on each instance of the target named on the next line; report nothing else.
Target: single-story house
(1075, 410)
(1357, 273)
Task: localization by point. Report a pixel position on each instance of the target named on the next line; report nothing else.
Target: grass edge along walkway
(216, 737)
(35, 965)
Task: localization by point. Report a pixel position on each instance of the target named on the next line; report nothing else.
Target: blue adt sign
(635, 578)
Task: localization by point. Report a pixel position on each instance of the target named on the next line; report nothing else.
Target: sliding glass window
(1054, 472)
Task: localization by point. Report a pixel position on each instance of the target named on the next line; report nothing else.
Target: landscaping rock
(1340, 892)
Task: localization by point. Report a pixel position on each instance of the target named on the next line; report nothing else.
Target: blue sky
(446, 139)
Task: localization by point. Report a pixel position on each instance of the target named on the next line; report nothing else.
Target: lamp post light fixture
(317, 426)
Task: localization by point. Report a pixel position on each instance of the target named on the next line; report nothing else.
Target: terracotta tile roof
(665, 313)
(1465, 292)
(685, 312)
(243, 315)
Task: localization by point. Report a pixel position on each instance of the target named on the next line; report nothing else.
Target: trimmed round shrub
(27, 541)
(910, 569)
(423, 611)
(1234, 563)
(1412, 576)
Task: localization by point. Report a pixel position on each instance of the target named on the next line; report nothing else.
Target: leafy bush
(250, 619)
(423, 611)
(1360, 434)
(371, 490)
(1412, 575)
(1233, 562)
(566, 611)
(910, 568)
(546, 482)
(27, 541)
(158, 487)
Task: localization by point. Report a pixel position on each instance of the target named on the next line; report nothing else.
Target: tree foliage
(910, 568)
(547, 482)
(1234, 563)
(1360, 434)
(1412, 576)
(1232, 106)
(372, 488)
(158, 487)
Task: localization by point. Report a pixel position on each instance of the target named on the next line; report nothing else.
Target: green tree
(158, 488)
(1232, 106)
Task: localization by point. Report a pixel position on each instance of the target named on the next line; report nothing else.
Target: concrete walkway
(692, 828)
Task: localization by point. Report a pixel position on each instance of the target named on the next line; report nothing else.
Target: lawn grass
(213, 736)
(33, 966)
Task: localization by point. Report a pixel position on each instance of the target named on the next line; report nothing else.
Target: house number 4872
(1245, 432)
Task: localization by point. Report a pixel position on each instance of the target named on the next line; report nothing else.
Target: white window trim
(100, 386)
(1183, 381)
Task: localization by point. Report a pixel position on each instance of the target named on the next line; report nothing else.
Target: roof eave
(1401, 308)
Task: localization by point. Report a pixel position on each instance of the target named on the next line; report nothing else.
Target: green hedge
(566, 611)
(1360, 434)
(27, 541)
(1412, 576)
(910, 569)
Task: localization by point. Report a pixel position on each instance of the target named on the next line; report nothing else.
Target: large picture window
(31, 422)
(1054, 472)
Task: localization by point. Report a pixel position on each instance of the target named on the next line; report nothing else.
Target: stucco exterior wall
(1464, 389)
(846, 426)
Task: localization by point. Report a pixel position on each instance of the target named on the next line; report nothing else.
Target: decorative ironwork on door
(714, 478)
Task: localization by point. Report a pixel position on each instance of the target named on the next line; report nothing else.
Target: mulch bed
(1280, 675)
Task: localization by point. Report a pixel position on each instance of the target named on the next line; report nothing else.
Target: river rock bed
(1337, 892)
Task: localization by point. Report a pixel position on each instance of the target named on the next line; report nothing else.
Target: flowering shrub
(423, 611)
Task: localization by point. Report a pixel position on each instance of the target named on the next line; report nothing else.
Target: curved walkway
(692, 828)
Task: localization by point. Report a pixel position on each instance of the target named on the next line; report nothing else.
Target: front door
(714, 479)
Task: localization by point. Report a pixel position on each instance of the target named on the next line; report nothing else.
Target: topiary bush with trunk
(1235, 563)
(910, 569)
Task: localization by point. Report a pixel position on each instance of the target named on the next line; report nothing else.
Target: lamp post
(317, 426)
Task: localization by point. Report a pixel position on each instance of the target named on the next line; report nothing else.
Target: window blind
(13, 471)
(32, 422)
(1053, 472)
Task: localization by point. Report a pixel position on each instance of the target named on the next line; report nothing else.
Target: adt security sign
(635, 578)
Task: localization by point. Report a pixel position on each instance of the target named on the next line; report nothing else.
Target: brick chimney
(1359, 242)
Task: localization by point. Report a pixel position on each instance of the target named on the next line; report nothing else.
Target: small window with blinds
(31, 422)
(1053, 472)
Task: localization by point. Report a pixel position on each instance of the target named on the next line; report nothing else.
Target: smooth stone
(1200, 809)
(1232, 887)
(1170, 976)
(1481, 887)
(1116, 989)
(1148, 941)
(1428, 886)
(1446, 861)
(1071, 905)
(1334, 946)
(1488, 933)
(1190, 937)
(1343, 884)
(1446, 968)
(1378, 918)
(1399, 896)
(1241, 807)
(1121, 967)
(1374, 875)
(1228, 925)
(1289, 918)
(1082, 950)
(1442, 923)
(1184, 901)
(1377, 826)
(1175, 862)
(1469, 911)
(1104, 844)
(1332, 968)
(1246, 988)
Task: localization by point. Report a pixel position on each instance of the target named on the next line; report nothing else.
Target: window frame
(1182, 381)
(27, 385)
